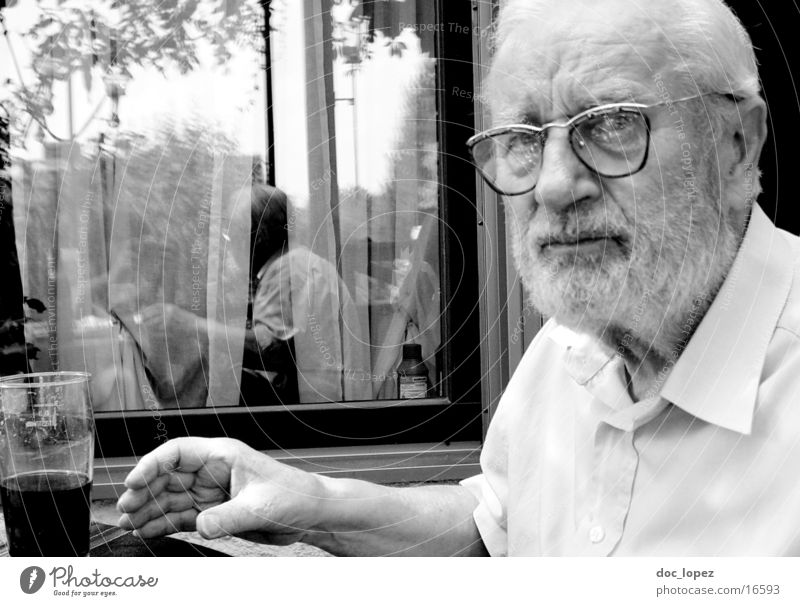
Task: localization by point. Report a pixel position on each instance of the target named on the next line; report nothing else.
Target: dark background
(775, 29)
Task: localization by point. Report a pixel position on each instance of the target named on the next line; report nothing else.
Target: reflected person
(302, 331)
(269, 373)
(304, 321)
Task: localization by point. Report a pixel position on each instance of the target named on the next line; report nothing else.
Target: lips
(576, 241)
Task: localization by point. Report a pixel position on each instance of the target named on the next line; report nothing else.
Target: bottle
(412, 374)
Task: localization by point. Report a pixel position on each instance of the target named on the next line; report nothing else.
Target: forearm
(252, 347)
(362, 519)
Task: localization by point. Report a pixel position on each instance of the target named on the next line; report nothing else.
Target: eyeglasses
(612, 140)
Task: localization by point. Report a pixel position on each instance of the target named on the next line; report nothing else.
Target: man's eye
(523, 147)
(614, 130)
(614, 126)
(517, 142)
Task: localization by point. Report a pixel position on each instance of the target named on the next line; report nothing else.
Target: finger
(170, 503)
(181, 481)
(229, 518)
(176, 521)
(152, 312)
(177, 482)
(164, 504)
(142, 517)
(184, 454)
(242, 514)
(133, 499)
(162, 460)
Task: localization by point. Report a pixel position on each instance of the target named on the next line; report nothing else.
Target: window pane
(152, 250)
(356, 153)
(136, 133)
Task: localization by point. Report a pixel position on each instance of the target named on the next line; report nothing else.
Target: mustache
(572, 229)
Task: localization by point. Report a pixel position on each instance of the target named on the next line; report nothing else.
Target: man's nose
(563, 179)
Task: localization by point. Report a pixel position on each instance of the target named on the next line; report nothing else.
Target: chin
(584, 295)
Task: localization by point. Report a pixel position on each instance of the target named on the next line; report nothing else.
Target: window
(235, 214)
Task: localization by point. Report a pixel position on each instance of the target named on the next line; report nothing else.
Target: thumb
(229, 518)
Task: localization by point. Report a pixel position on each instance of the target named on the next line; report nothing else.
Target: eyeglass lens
(612, 144)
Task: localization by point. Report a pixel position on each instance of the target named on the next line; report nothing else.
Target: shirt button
(597, 534)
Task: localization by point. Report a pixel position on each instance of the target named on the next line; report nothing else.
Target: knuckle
(169, 464)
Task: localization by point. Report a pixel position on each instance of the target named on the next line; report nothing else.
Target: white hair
(712, 50)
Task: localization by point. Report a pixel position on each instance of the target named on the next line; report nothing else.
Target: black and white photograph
(305, 279)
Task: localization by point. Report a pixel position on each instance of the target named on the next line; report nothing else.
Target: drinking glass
(46, 456)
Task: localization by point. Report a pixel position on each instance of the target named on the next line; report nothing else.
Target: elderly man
(657, 411)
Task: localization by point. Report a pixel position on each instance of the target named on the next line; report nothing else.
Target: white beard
(654, 289)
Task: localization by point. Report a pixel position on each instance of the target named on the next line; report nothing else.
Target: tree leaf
(35, 304)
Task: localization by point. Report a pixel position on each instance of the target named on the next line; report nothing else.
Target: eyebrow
(596, 101)
(623, 93)
(532, 118)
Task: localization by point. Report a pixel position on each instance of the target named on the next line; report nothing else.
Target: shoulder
(294, 264)
(789, 321)
(302, 261)
(542, 364)
(780, 376)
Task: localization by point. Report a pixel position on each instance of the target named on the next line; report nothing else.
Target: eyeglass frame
(569, 124)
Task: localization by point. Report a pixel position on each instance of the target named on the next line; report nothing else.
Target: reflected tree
(14, 352)
(107, 38)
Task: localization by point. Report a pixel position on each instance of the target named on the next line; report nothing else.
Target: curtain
(141, 264)
(357, 154)
(133, 231)
(178, 271)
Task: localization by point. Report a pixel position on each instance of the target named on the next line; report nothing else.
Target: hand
(220, 487)
(174, 342)
(168, 318)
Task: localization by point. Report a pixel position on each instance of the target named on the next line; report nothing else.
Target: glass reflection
(152, 251)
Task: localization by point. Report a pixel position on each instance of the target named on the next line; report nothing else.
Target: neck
(649, 355)
(647, 368)
(651, 338)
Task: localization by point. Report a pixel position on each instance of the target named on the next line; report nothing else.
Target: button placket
(612, 484)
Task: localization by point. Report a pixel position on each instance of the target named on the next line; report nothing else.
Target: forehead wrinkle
(558, 76)
(531, 108)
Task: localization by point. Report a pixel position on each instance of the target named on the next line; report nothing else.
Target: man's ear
(748, 129)
(746, 133)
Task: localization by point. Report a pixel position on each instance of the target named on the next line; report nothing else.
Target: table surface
(108, 541)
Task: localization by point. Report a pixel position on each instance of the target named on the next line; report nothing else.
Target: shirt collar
(275, 256)
(603, 375)
(718, 374)
(584, 357)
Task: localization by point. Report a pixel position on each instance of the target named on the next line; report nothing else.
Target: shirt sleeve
(272, 304)
(489, 515)
(490, 488)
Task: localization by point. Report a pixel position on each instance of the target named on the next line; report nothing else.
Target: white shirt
(301, 296)
(709, 466)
